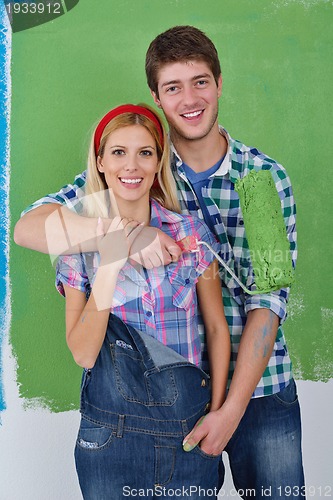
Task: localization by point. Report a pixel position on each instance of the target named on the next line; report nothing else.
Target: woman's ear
(99, 164)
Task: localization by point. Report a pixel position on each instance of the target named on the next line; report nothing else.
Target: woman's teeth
(131, 181)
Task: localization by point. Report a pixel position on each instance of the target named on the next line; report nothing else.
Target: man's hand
(212, 432)
(114, 244)
(153, 248)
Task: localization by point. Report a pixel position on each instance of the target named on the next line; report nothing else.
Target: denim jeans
(265, 451)
(137, 404)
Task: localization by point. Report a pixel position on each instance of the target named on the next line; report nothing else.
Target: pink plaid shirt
(161, 302)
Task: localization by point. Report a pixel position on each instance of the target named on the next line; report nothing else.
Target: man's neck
(200, 154)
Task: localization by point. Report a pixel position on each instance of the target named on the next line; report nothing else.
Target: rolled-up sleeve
(70, 195)
(70, 271)
(275, 301)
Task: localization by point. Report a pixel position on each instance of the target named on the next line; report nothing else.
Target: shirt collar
(160, 215)
(225, 166)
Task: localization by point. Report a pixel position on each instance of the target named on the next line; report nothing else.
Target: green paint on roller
(265, 231)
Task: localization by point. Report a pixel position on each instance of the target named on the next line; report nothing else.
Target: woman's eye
(118, 152)
(146, 152)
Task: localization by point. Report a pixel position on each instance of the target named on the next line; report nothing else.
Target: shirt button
(187, 281)
(203, 383)
(149, 313)
(241, 222)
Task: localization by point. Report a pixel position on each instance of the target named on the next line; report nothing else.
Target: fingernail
(187, 446)
(99, 220)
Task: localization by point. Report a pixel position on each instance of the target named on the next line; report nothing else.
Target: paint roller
(269, 247)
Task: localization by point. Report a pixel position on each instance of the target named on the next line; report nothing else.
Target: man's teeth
(131, 181)
(192, 115)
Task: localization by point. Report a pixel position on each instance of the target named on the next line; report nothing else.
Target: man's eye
(201, 83)
(171, 89)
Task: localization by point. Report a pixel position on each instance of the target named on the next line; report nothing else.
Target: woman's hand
(114, 244)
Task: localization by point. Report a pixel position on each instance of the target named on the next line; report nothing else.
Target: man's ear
(219, 86)
(99, 164)
(156, 99)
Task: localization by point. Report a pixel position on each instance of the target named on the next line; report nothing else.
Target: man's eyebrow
(196, 77)
(171, 82)
(204, 75)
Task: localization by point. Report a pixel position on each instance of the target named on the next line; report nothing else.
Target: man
(259, 423)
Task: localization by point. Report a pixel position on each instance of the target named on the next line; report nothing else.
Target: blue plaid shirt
(223, 205)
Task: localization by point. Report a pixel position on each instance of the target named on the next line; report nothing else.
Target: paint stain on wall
(45, 93)
(305, 3)
(296, 305)
(4, 186)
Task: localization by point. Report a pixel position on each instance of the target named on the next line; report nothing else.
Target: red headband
(125, 108)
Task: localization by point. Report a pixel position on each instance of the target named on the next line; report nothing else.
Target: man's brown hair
(180, 44)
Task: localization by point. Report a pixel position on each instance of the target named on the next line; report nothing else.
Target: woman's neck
(135, 211)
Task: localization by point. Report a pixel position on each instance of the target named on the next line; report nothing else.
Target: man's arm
(255, 350)
(52, 224)
(54, 229)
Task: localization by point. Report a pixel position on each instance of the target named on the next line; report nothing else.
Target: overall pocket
(136, 384)
(94, 437)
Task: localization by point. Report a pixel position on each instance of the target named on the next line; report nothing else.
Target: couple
(258, 424)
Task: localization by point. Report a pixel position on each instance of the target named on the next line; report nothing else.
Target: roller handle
(190, 244)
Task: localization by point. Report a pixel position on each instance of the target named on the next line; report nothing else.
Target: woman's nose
(131, 163)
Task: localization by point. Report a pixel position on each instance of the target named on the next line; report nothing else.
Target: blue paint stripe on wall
(4, 184)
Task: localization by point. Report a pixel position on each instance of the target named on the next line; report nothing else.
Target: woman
(139, 398)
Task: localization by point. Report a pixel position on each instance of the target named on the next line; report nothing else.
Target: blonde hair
(97, 202)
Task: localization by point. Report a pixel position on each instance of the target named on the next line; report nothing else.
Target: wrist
(107, 268)
(233, 407)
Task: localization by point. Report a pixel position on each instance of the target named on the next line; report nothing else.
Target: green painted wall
(277, 95)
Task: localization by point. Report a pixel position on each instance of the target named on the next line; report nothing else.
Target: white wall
(36, 446)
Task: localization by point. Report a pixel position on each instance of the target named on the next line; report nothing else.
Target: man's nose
(189, 95)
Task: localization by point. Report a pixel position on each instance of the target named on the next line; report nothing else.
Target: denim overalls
(137, 404)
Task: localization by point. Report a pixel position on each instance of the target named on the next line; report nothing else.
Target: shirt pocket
(128, 289)
(183, 281)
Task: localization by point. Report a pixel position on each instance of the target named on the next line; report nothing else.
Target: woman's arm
(216, 331)
(86, 322)
(207, 429)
